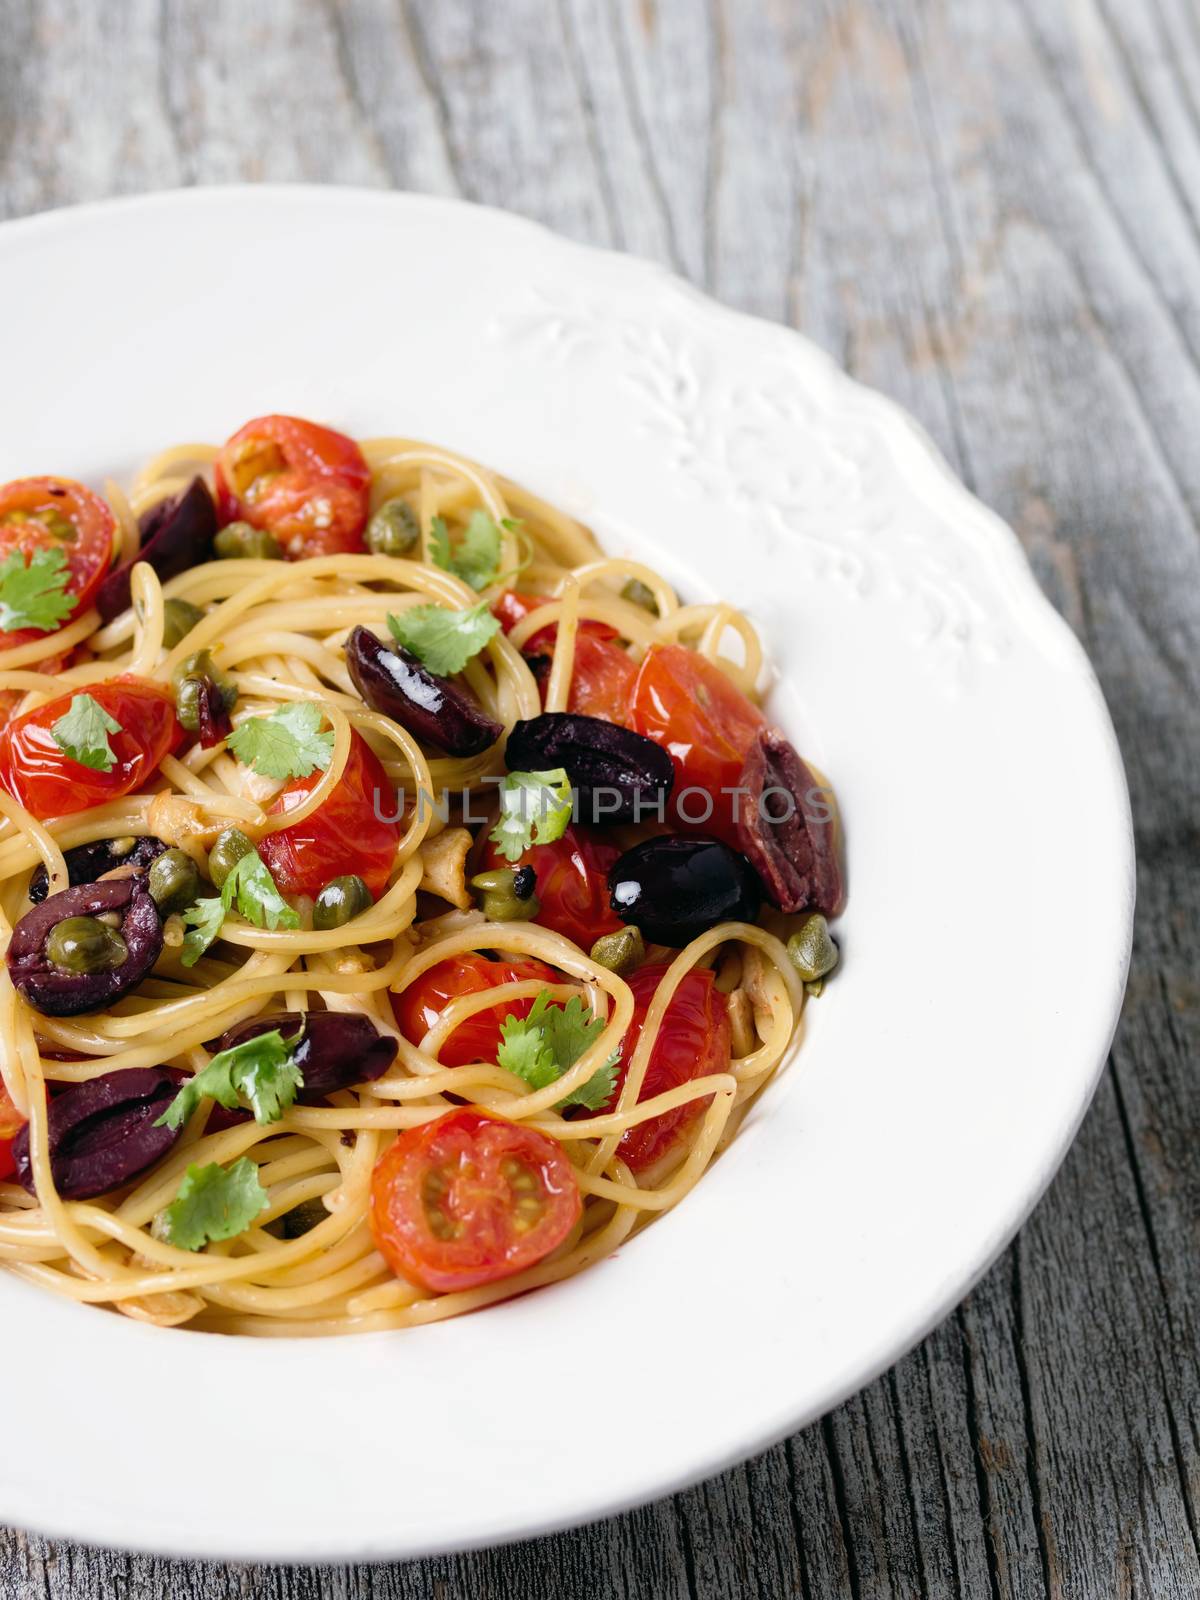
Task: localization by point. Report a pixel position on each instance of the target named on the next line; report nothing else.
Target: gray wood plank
(989, 209)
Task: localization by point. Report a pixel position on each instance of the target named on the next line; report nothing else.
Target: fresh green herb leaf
(476, 557)
(81, 733)
(444, 640)
(214, 1202)
(250, 889)
(261, 1071)
(541, 1047)
(535, 808)
(34, 595)
(287, 744)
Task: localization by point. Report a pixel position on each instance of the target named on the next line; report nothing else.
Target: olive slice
(59, 992)
(87, 862)
(103, 1133)
(785, 826)
(338, 1049)
(176, 534)
(392, 680)
(617, 775)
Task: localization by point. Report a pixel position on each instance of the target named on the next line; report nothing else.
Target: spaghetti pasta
(436, 942)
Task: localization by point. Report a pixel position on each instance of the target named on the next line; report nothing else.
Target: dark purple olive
(617, 775)
(102, 1132)
(392, 680)
(785, 825)
(176, 534)
(674, 889)
(61, 990)
(338, 1050)
(87, 862)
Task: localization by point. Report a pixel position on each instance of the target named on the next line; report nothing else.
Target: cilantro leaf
(261, 1070)
(34, 595)
(476, 557)
(214, 1202)
(81, 733)
(535, 808)
(541, 1047)
(286, 744)
(442, 639)
(251, 890)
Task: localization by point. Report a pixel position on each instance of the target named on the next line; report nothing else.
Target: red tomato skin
(463, 1157)
(314, 490)
(348, 833)
(602, 673)
(34, 770)
(572, 883)
(11, 1123)
(693, 1041)
(419, 1006)
(687, 705)
(88, 555)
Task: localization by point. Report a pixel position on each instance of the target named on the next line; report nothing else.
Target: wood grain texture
(991, 210)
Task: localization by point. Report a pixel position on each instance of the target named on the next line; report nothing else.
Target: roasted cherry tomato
(470, 1198)
(37, 771)
(419, 1006)
(307, 485)
(693, 1042)
(11, 1123)
(514, 605)
(572, 883)
(347, 834)
(56, 514)
(602, 675)
(687, 705)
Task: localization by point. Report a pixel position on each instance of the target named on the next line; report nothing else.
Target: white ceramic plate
(990, 862)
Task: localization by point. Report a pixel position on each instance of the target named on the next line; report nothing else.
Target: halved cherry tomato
(57, 514)
(348, 833)
(470, 1198)
(602, 674)
(308, 485)
(36, 771)
(693, 1041)
(11, 1123)
(514, 605)
(687, 705)
(572, 883)
(419, 1006)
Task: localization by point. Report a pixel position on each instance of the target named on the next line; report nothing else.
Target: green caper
(815, 989)
(179, 618)
(811, 948)
(640, 594)
(505, 895)
(84, 944)
(188, 680)
(620, 952)
(393, 530)
(231, 845)
(340, 901)
(173, 881)
(240, 541)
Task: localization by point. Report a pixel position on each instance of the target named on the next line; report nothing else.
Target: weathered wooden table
(991, 210)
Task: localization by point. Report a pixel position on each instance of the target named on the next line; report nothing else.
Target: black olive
(59, 992)
(339, 1048)
(176, 534)
(675, 889)
(87, 862)
(392, 680)
(785, 826)
(102, 1133)
(617, 775)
